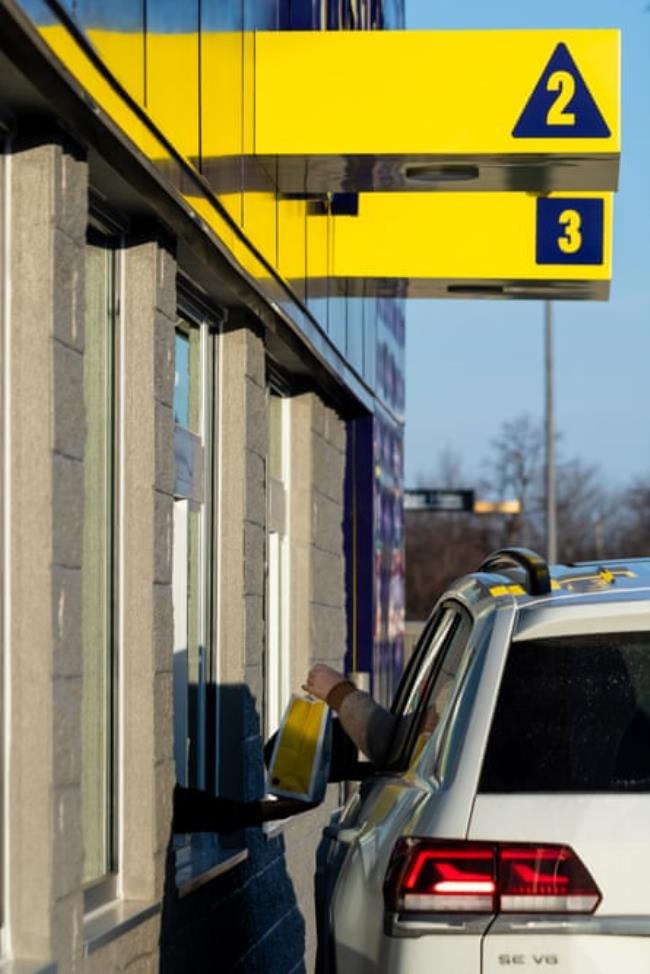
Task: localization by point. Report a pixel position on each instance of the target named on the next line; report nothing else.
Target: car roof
(522, 576)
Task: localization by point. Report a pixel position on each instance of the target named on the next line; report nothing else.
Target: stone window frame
(106, 224)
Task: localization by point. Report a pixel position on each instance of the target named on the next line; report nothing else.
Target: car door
(356, 849)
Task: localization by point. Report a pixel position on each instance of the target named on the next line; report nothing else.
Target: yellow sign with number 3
(571, 240)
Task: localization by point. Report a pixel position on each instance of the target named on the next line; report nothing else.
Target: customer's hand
(321, 679)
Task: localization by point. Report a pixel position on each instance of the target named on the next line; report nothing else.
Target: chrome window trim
(412, 925)
(609, 926)
(581, 615)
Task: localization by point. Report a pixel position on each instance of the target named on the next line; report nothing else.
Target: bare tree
(441, 546)
(583, 508)
(447, 472)
(594, 522)
(514, 470)
(631, 523)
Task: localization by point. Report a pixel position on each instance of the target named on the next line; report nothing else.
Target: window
(99, 589)
(277, 686)
(194, 565)
(427, 689)
(573, 715)
(427, 666)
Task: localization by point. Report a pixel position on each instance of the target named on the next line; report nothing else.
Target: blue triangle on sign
(561, 105)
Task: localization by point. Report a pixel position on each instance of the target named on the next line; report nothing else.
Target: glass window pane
(180, 589)
(182, 380)
(573, 715)
(274, 662)
(193, 571)
(187, 387)
(442, 688)
(276, 465)
(276, 659)
(195, 652)
(421, 684)
(97, 588)
(425, 698)
(189, 646)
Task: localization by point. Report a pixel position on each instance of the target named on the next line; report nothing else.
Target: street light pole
(551, 505)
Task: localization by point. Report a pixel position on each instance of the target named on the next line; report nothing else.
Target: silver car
(510, 829)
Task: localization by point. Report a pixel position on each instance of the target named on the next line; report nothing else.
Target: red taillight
(441, 876)
(546, 879)
(427, 875)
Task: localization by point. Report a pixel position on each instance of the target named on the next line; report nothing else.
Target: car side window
(422, 703)
(572, 716)
(421, 681)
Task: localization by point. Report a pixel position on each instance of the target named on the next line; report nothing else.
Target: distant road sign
(439, 500)
(497, 507)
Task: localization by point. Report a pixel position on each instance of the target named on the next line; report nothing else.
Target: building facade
(202, 463)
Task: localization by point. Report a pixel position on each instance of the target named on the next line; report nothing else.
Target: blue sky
(471, 365)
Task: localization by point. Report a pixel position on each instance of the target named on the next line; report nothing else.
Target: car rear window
(573, 714)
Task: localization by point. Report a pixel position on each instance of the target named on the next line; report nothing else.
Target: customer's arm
(367, 723)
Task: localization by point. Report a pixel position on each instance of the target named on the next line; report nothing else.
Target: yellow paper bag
(300, 762)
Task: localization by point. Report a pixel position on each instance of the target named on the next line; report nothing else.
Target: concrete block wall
(44, 440)
(318, 627)
(257, 916)
(147, 633)
(318, 576)
(146, 461)
(282, 862)
(44, 431)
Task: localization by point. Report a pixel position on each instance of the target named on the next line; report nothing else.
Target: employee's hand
(274, 809)
(321, 679)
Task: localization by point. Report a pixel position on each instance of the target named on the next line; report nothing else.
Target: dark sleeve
(198, 811)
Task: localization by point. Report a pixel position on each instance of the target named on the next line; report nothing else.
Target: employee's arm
(197, 811)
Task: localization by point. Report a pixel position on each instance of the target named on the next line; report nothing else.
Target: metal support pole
(551, 505)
